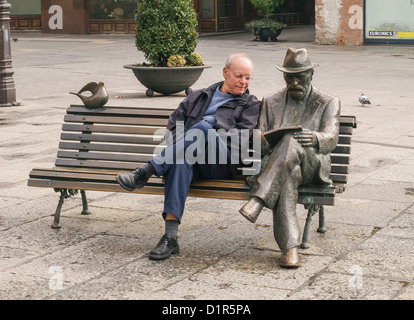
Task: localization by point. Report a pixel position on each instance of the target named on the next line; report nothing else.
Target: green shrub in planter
(265, 8)
(194, 60)
(166, 28)
(255, 26)
(176, 61)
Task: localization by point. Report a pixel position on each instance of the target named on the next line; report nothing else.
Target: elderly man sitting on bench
(226, 105)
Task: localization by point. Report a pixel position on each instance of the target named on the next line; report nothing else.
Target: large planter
(166, 80)
(266, 34)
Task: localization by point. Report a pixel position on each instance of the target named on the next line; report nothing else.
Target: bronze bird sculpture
(97, 99)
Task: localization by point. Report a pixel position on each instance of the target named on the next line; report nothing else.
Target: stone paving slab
(338, 286)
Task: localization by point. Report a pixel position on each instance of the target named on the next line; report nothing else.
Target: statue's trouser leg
(285, 222)
(287, 167)
(281, 164)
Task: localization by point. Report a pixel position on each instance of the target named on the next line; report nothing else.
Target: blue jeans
(179, 171)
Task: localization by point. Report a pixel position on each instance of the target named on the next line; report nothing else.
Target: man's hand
(306, 137)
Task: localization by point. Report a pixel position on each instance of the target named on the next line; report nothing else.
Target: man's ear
(225, 73)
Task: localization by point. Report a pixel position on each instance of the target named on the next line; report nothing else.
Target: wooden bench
(98, 144)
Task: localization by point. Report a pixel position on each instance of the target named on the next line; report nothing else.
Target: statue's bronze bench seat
(98, 144)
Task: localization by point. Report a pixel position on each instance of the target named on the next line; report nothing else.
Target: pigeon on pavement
(364, 99)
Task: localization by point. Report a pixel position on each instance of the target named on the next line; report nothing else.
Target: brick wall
(339, 22)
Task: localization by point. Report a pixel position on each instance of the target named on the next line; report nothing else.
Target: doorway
(219, 15)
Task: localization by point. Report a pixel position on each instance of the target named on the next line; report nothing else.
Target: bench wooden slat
(344, 139)
(109, 187)
(346, 120)
(80, 169)
(102, 165)
(67, 175)
(308, 199)
(82, 174)
(336, 177)
(104, 156)
(108, 178)
(149, 149)
(110, 138)
(127, 166)
(106, 147)
(330, 190)
(116, 120)
(112, 129)
(229, 184)
(148, 189)
(138, 148)
(202, 193)
(339, 178)
(345, 130)
(342, 149)
(114, 111)
(217, 192)
(335, 168)
(340, 159)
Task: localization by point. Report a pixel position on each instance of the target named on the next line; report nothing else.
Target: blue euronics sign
(381, 33)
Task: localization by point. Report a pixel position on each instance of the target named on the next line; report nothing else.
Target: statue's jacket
(322, 115)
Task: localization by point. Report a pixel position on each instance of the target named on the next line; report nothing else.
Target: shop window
(228, 8)
(24, 7)
(207, 9)
(389, 21)
(112, 9)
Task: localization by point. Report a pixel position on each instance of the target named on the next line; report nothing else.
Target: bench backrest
(110, 137)
(340, 157)
(122, 138)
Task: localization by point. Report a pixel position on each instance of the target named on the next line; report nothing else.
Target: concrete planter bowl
(166, 80)
(265, 33)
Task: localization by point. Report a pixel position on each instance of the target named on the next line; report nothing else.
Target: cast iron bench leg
(321, 228)
(85, 208)
(56, 224)
(64, 194)
(312, 209)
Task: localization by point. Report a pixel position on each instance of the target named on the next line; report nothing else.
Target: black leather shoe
(135, 179)
(164, 248)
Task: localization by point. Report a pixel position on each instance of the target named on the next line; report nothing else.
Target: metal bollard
(7, 88)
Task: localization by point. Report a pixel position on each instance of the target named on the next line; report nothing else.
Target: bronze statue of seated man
(299, 158)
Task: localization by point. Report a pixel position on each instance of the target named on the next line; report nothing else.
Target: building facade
(339, 22)
(357, 22)
(117, 16)
(25, 15)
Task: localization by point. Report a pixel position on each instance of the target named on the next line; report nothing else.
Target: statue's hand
(306, 137)
(265, 146)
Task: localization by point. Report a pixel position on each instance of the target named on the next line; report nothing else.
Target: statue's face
(298, 84)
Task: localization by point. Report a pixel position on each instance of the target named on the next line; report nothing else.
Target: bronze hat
(296, 61)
